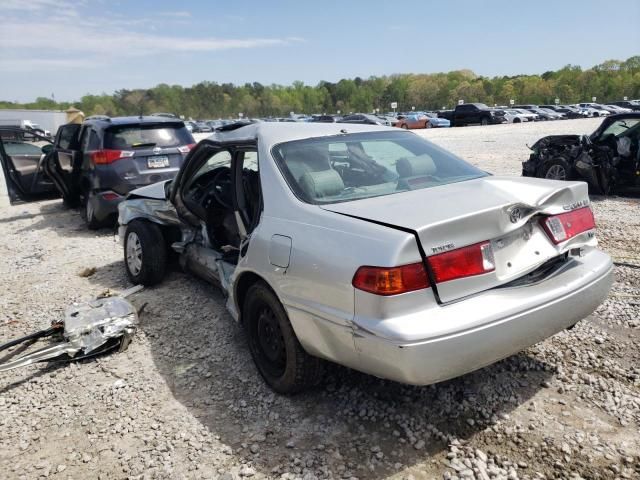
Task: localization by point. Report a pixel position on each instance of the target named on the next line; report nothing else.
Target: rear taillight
(107, 156)
(464, 262)
(391, 280)
(110, 196)
(186, 148)
(561, 228)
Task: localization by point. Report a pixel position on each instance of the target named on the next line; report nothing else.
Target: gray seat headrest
(321, 184)
(414, 166)
(624, 146)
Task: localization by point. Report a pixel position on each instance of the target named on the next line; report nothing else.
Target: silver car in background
(369, 247)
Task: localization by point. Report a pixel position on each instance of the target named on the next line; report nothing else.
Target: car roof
(272, 133)
(107, 122)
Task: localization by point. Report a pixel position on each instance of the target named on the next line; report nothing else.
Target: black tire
(405, 126)
(427, 124)
(89, 215)
(517, 120)
(145, 253)
(484, 122)
(557, 169)
(275, 349)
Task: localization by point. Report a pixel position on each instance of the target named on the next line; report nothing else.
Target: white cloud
(43, 37)
(43, 64)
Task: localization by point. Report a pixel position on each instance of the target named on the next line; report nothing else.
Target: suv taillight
(464, 262)
(391, 280)
(561, 228)
(107, 156)
(186, 148)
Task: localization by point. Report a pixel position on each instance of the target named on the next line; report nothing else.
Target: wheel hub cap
(134, 253)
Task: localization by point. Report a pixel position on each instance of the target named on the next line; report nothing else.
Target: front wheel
(557, 169)
(275, 349)
(484, 122)
(405, 126)
(145, 252)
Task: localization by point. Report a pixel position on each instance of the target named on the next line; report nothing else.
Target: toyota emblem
(156, 150)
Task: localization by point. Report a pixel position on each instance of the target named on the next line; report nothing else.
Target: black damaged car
(608, 159)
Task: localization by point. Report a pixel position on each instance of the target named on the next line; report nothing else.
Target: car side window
(94, 141)
(68, 137)
(221, 158)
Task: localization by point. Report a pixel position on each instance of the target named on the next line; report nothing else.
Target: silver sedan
(369, 247)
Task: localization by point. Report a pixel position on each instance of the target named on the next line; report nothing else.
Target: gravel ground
(185, 401)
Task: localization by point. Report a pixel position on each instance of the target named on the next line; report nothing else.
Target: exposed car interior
(209, 194)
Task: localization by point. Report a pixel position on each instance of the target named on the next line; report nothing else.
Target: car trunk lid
(503, 211)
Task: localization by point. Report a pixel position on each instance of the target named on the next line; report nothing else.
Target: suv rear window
(132, 136)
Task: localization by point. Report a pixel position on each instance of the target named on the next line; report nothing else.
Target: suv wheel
(145, 252)
(275, 349)
(484, 122)
(89, 215)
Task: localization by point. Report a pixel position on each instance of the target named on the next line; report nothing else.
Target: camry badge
(157, 150)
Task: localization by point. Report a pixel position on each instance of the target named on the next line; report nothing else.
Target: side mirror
(47, 149)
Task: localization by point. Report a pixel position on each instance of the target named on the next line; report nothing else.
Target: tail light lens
(464, 262)
(561, 228)
(391, 281)
(186, 148)
(105, 157)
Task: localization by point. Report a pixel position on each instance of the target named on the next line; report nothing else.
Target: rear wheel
(145, 252)
(557, 169)
(405, 126)
(427, 124)
(90, 215)
(275, 349)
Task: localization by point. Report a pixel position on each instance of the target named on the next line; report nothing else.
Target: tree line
(608, 81)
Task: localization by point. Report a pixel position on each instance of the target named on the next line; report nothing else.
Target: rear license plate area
(160, 161)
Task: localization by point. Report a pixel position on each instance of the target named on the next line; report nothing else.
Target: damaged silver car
(608, 159)
(370, 247)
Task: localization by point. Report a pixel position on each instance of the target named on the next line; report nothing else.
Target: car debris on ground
(92, 328)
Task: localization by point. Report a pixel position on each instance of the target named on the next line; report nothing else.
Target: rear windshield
(140, 136)
(362, 165)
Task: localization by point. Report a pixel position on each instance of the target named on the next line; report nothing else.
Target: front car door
(63, 167)
(22, 155)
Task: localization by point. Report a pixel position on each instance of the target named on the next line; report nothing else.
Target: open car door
(23, 154)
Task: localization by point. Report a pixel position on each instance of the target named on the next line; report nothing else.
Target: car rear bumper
(547, 308)
(105, 204)
(495, 324)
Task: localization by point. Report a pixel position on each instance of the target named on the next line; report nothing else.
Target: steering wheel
(220, 187)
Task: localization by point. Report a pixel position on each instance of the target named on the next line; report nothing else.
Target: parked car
(204, 127)
(618, 109)
(591, 110)
(325, 118)
(533, 117)
(513, 116)
(364, 118)
(323, 241)
(631, 104)
(96, 163)
(546, 114)
(565, 110)
(608, 159)
(421, 120)
(470, 113)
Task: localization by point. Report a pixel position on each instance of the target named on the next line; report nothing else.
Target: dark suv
(96, 163)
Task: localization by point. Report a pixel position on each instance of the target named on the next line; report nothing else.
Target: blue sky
(71, 48)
